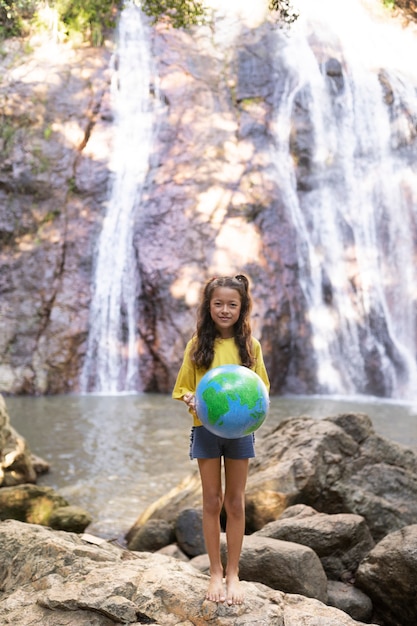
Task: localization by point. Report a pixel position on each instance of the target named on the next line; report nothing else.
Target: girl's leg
(210, 472)
(236, 471)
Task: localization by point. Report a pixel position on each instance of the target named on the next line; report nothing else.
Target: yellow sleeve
(186, 380)
(259, 367)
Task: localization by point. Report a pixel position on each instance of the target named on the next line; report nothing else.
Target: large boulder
(388, 575)
(42, 505)
(340, 465)
(54, 578)
(335, 465)
(20, 497)
(340, 540)
(282, 565)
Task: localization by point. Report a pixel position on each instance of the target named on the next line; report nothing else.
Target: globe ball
(232, 401)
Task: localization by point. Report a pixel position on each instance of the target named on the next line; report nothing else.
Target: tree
(179, 13)
(284, 11)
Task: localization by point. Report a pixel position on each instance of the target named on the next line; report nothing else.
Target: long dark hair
(206, 332)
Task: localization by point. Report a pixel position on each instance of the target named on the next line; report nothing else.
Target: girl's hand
(189, 400)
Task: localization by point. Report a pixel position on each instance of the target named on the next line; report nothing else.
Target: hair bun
(242, 279)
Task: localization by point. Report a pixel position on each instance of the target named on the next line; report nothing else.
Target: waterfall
(111, 363)
(352, 195)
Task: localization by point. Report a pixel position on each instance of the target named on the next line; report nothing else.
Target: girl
(223, 336)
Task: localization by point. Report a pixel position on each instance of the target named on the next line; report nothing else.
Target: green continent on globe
(218, 400)
(218, 403)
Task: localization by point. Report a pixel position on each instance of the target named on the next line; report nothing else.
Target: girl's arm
(260, 368)
(185, 384)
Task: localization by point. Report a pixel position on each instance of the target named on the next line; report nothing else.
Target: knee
(212, 503)
(235, 507)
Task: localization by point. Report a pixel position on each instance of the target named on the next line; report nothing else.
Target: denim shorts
(205, 445)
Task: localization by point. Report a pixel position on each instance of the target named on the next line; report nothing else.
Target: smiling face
(225, 306)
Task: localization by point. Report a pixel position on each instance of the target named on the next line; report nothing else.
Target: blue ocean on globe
(232, 401)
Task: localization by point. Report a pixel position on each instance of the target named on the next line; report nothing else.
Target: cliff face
(55, 132)
(212, 203)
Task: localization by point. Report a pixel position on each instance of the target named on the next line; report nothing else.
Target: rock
(214, 133)
(41, 505)
(298, 510)
(341, 540)
(189, 532)
(176, 553)
(187, 494)
(29, 503)
(282, 565)
(202, 563)
(388, 575)
(212, 184)
(44, 199)
(39, 465)
(152, 536)
(333, 465)
(349, 599)
(54, 578)
(263, 505)
(344, 467)
(16, 462)
(70, 518)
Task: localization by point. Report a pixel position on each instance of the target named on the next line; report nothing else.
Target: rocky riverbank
(331, 540)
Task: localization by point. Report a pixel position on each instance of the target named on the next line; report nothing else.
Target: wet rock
(209, 186)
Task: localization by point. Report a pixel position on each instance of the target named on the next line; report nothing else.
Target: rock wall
(212, 204)
(55, 132)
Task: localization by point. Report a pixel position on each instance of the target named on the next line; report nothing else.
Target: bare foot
(215, 591)
(235, 593)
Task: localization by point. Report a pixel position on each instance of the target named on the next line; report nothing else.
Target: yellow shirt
(225, 353)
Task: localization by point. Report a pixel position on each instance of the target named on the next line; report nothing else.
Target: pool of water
(115, 455)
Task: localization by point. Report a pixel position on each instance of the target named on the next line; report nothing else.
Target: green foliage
(7, 132)
(14, 14)
(179, 13)
(90, 18)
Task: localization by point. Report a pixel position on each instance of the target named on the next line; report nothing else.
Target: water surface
(115, 455)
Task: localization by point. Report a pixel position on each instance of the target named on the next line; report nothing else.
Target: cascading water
(352, 195)
(347, 110)
(111, 363)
